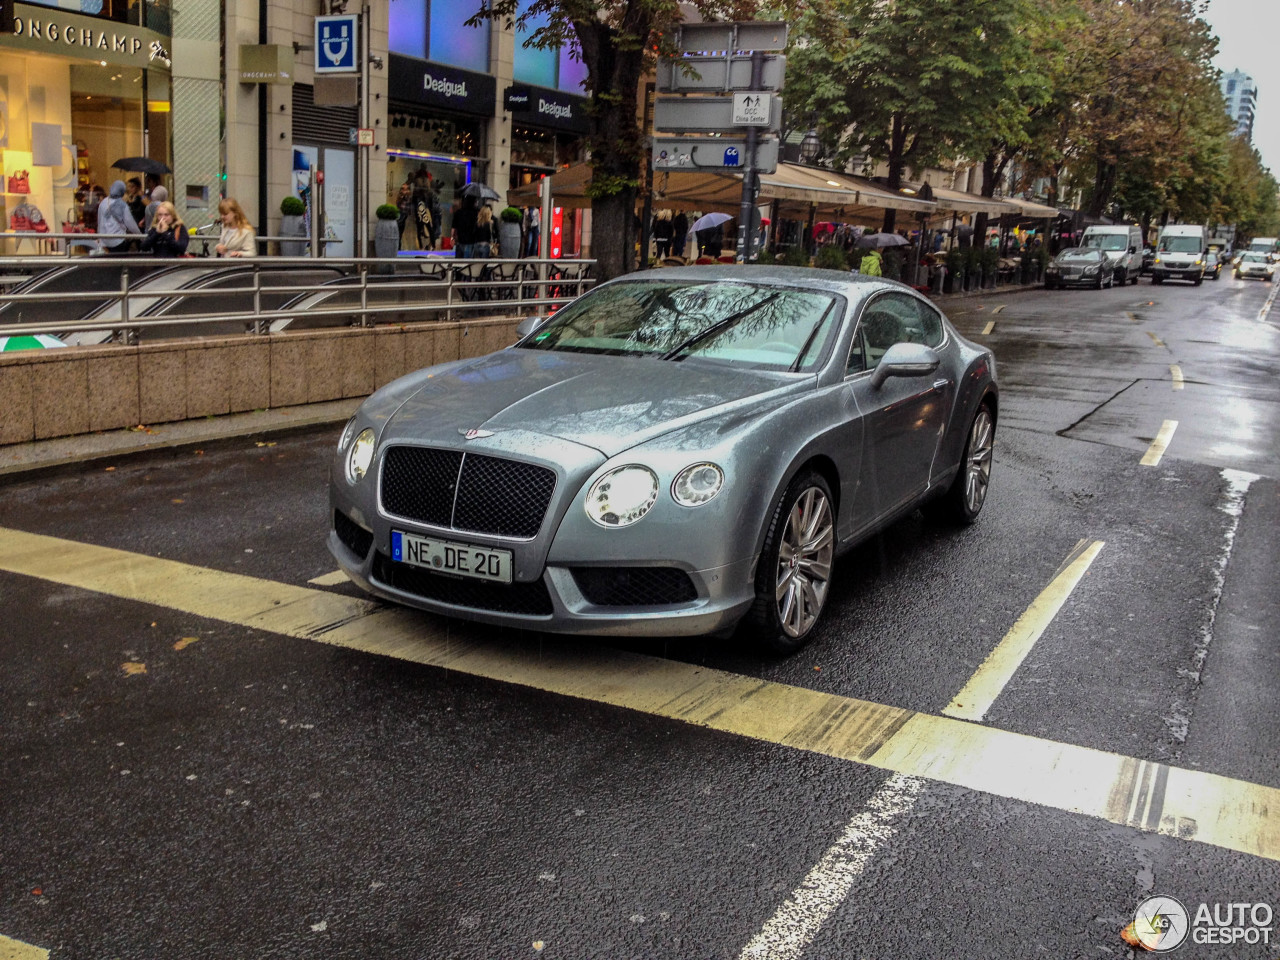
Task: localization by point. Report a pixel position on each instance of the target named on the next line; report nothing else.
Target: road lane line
(1176, 372)
(1232, 814)
(998, 309)
(995, 672)
(11, 949)
(330, 579)
(1160, 444)
(793, 927)
(1271, 298)
(991, 325)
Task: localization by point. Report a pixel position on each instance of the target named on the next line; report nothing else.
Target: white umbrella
(39, 341)
(710, 221)
(878, 241)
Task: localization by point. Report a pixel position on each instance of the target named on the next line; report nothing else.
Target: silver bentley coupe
(677, 452)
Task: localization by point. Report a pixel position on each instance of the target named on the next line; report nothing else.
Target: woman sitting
(168, 234)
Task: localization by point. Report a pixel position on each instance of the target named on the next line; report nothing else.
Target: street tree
(910, 82)
(617, 41)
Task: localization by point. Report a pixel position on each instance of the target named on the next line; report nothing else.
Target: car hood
(607, 403)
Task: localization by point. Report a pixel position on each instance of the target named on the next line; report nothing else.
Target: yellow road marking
(1192, 805)
(1176, 372)
(1133, 316)
(1156, 340)
(973, 702)
(998, 309)
(11, 949)
(1160, 444)
(330, 579)
(988, 328)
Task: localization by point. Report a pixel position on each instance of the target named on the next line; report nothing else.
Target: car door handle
(940, 384)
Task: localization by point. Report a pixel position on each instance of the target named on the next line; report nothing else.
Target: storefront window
(553, 68)
(436, 30)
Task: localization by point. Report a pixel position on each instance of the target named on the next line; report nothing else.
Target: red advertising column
(557, 228)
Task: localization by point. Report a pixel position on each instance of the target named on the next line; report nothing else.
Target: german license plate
(444, 556)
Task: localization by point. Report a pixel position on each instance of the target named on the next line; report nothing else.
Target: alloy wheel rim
(978, 467)
(804, 562)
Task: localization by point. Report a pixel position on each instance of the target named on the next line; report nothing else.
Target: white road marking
(1156, 340)
(793, 927)
(1160, 444)
(988, 328)
(1271, 298)
(330, 579)
(986, 684)
(1176, 372)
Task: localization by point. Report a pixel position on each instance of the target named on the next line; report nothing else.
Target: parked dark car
(1148, 259)
(1079, 267)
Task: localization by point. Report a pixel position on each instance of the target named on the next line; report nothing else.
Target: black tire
(1199, 280)
(793, 577)
(1098, 285)
(963, 501)
(1135, 278)
(1157, 279)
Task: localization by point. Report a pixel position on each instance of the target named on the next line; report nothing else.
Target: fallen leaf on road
(177, 500)
(132, 668)
(107, 469)
(37, 891)
(185, 642)
(538, 945)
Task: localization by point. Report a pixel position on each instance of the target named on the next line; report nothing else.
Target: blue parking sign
(731, 157)
(337, 44)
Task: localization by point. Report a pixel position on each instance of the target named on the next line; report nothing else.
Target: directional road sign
(712, 114)
(705, 74)
(713, 154)
(766, 35)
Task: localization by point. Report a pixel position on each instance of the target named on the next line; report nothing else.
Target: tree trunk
(613, 235)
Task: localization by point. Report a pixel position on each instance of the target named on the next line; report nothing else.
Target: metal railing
(258, 295)
(79, 243)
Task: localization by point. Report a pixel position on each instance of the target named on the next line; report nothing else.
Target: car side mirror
(905, 360)
(528, 325)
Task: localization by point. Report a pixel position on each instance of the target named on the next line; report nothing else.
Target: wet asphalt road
(256, 795)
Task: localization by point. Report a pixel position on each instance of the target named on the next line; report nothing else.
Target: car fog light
(361, 456)
(697, 484)
(622, 496)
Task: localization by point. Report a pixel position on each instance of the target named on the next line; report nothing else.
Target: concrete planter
(293, 225)
(509, 240)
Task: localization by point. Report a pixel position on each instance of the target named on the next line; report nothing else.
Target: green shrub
(292, 207)
(795, 256)
(387, 211)
(511, 215)
(955, 261)
(831, 257)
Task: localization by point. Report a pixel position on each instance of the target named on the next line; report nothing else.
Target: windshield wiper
(719, 326)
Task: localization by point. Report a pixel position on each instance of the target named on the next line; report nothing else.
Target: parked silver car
(674, 453)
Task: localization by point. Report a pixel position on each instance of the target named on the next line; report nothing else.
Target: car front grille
(634, 586)
(353, 536)
(468, 492)
(529, 599)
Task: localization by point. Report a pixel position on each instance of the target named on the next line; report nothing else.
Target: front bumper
(705, 601)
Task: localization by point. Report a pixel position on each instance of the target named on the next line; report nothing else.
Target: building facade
(1241, 94)
(226, 95)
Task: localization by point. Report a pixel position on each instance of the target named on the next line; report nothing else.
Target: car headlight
(1156, 260)
(1198, 262)
(360, 456)
(622, 496)
(696, 484)
(1090, 271)
(347, 433)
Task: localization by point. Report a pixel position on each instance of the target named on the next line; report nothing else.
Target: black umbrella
(142, 165)
(481, 190)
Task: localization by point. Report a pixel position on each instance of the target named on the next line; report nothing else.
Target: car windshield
(1255, 257)
(1181, 245)
(1076, 254)
(762, 326)
(1107, 241)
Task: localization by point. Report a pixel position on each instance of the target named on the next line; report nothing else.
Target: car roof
(853, 285)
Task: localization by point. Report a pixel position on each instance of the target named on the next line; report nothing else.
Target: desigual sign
(438, 85)
(72, 35)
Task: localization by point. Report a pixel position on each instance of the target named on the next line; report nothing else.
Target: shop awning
(960, 202)
(796, 188)
(1028, 208)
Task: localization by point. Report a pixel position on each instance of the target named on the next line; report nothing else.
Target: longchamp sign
(73, 35)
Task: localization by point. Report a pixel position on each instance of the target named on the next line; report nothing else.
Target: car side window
(883, 324)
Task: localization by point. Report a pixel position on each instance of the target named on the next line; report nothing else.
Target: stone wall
(65, 392)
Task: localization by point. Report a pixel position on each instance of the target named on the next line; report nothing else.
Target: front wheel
(794, 573)
(963, 500)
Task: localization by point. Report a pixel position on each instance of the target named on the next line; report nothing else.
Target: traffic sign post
(714, 62)
(337, 44)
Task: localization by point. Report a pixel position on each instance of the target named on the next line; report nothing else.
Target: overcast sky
(1247, 41)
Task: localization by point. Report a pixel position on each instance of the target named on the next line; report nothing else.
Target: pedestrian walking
(114, 217)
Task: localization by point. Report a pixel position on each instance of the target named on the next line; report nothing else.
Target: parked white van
(1180, 254)
(1123, 246)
